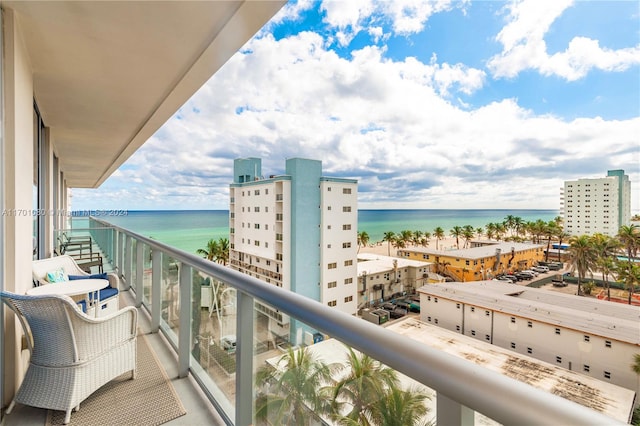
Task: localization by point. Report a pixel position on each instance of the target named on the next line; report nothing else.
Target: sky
(428, 104)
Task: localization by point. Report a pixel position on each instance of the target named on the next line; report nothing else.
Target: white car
(529, 272)
(541, 269)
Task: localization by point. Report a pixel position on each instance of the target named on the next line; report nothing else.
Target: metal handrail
(501, 398)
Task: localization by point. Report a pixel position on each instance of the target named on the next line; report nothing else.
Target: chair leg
(67, 416)
(13, 404)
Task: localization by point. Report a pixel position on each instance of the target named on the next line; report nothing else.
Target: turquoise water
(190, 230)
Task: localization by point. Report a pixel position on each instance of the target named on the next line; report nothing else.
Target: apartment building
(600, 205)
(381, 277)
(594, 337)
(482, 262)
(297, 231)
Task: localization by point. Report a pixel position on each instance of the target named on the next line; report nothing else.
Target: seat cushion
(102, 276)
(106, 293)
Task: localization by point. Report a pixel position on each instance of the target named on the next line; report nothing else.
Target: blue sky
(429, 104)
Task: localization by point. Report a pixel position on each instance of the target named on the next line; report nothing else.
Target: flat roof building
(600, 205)
(595, 337)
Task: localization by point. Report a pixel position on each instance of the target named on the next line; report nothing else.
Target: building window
(256, 242)
(487, 313)
(333, 265)
(257, 226)
(266, 191)
(513, 345)
(348, 299)
(473, 332)
(529, 350)
(332, 284)
(346, 209)
(332, 303)
(429, 298)
(435, 320)
(348, 280)
(457, 306)
(435, 300)
(607, 343)
(457, 328)
(513, 320)
(346, 245)
(328, 207)
(487, 337)
(585, 368)
(559, 359)
(348, 262)
(557, 331)
(328, 189)
(429, 319)
(256, 209)
(586, 338)
(346, 227)
(346, 190)
(256, 192)
(473, 309)
(607, 375)
(529, 324)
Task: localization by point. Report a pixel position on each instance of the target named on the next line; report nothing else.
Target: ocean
(190, 230)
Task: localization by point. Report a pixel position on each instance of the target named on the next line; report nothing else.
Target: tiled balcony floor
(199, 409)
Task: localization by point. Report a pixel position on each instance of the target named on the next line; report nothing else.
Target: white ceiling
(108, 74)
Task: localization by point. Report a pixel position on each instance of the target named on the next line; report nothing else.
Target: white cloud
(383, 122)
(524, 46)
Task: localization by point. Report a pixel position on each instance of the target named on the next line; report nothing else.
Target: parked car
(522, 276)
(529, 271)
(398, 313)
(512, 277)
(388, 306)
(504, 278)
(541, 269)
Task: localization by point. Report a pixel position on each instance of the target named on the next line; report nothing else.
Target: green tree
(389, 237)
(629, 236)
(223, 251)
(211, 251)
(490, 230)
(561, 236)
(629, 274)
(405, 237)
(549, 231)
(467, 235)
(456, 231)
(361, 388)
(399, 407)
(363, 239)
(295, 390)
(439, 234)
(417, 237)
(605, 249)
(582, 256)
(635, 367)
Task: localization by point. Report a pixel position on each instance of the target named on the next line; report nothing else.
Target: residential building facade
(600, 205)
(594, 337)
(297, 231)
(478, 263)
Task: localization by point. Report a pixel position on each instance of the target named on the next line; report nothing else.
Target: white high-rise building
(297, 231)
(600, 205)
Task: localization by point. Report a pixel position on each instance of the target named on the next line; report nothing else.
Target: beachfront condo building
(600, 205)
(297, 231)
(591, 336)
(482, 262)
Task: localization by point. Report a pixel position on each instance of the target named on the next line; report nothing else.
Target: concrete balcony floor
(199, 409)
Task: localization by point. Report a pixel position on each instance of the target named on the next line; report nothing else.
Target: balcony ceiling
(107, 75)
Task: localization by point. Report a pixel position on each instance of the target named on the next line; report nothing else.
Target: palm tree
(509, 223)
(439, 234)
(406, 237)
(398, 407)
(561, 236)
(363, 239)
(479, 232)
(635, 367)
(425, 239)
(294, 390)
(389, 237)
(223, 251)
(417, 238)
(456, 231)
(490, 230)
(211, 252)
(550, 230)
(467, 234)
(518, 225)
(628, 273)
(582, 256)
(605, 249)
(361, 388)
(629, 236)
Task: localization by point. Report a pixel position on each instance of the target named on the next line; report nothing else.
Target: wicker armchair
(72, 354)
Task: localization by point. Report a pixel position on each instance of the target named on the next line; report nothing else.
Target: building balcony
(155, 277)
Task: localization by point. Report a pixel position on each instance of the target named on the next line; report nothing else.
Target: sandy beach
(382, 248)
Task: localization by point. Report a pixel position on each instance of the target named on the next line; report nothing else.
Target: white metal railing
(460, 385)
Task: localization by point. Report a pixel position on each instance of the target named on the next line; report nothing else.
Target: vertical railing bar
(244, 359)
(156, 292)
(121, 254)
(128, 257)
(451, 412)
(184, 336)
(139, 273)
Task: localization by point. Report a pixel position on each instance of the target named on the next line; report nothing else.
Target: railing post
(244, 359)
(156, 292)
(128, 257)
(451, 412)
(185, 336)
(120, 256)
(139, 273)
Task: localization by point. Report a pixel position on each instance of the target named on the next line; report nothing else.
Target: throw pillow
(102, 276)
(57, 276)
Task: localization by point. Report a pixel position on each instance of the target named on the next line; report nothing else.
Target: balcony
(158, 276)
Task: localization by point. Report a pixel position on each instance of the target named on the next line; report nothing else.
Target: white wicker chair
(72, 354)
(40, 268)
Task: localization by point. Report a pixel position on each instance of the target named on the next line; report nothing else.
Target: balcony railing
(161, 276)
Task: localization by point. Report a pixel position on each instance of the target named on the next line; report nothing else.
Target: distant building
(381, 277)
(594, 337)
(482, 262)
(297, 231)
(599, 205)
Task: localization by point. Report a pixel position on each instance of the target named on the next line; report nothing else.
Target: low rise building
(594, 337)
(384, 277)
(482, 262)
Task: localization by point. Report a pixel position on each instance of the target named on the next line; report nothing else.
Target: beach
(382, 248)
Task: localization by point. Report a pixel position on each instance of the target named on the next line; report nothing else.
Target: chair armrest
(95, 336)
